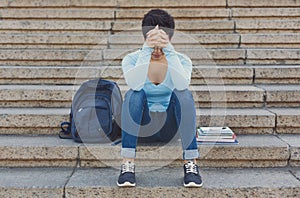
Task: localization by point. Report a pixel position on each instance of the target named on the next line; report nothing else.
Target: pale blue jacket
(135, 68)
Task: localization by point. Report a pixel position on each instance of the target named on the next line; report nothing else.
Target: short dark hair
(158, 17)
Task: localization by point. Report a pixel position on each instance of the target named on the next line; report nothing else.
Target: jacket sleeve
(180, 68)
(135, 67)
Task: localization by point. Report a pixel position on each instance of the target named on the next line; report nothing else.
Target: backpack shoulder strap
(65, 132)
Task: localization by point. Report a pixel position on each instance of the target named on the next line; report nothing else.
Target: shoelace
(127, 167)
(191, 168)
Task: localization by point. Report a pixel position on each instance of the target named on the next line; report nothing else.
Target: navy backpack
(95, 113)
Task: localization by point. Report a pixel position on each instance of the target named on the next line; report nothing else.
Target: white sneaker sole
(192, 184)
(126, 184)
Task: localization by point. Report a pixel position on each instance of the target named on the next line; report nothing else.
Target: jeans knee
(134, 105)
(136, 98)
(183, 96)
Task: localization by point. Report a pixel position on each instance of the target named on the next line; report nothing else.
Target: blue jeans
(179, 121)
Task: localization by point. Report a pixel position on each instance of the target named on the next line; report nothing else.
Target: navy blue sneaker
(127, 176)
(192, 176)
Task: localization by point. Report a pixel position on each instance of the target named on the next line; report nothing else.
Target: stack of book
(217, 135)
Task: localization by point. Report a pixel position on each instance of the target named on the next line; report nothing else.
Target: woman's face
(157, 53)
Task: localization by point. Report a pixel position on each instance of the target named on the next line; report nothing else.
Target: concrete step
(293, 143)
(112, 3)
(170, 4)
(53, 41)
(199, 56)
(49, 3)
(266, 13)
(38, 151)
(145, 3)
(281, 74)
(48, 25)
(57, 13)
(230, 96)
(247, 96)
(36, 96)
(48, 54)
(273, 56)
(58, 31)
(177, 13)
(167, 182)
(282, 95)
(248, 153)
(50, 151)
(164, 182)
(242, 120)
(138, 13)
(51, 57)
(53, 38)
(279, 40)
(215, 13)
(32, 120)
(288, 120)
(204, 75)
(33, 182)
(61, 96)
(267, 3)
(266, 26)
(112, 13)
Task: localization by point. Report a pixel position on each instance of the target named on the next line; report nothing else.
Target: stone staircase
(246, 76)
